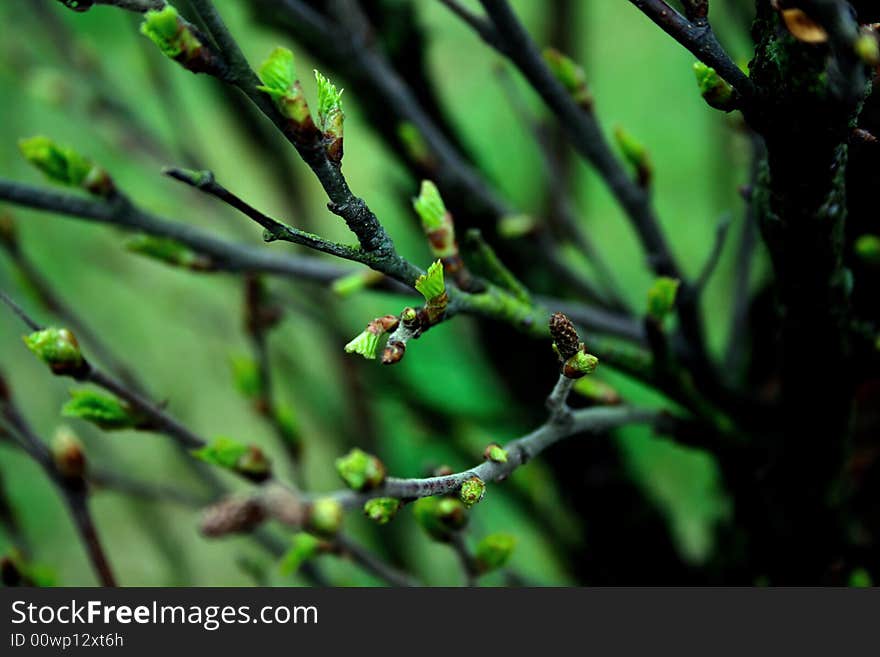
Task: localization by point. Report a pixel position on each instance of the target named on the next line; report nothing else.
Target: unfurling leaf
(170, 33)
(105, 411)
(431, 284)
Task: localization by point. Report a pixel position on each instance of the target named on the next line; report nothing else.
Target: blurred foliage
(180, 328)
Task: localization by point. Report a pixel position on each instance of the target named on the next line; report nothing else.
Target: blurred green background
(181, 329)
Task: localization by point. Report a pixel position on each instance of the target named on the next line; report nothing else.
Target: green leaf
(634, 152)
(431, 284)
(496, 453)
(366, 343)
(360, 471)
(303, 547)
(494, 551)
(105, 411)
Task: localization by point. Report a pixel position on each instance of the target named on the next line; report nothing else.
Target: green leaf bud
(66, 166)
(636, 155)
(414, 143)
(661, 297)
(303, 547)
(105, 411)
(360, 471)
(58, 348)
(496, 453)
(430, 207)
(169, 251)
(173, 35)
(325, 516)
(580, 365)
(570, 75)
(440, 517)
(278, 74)
(382, 510)
(715, 91)
(246, 376)
(472, 491)
(247, 460)
(494, 551)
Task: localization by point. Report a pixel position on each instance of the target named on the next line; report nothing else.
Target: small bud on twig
(247, 460)
(472, 491)
(280, 81)
(867, 248)
(580, 364)
(494, 551)
(635, 153)
(571, 75)
(495, 452)
(104, 411)
(440, 517)
(179, 41)
(382, 510)
(64, 165)
(325, 516)
(360, 471)
(68, 454)
(715, 91)
(661, 297)
(59, 349)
